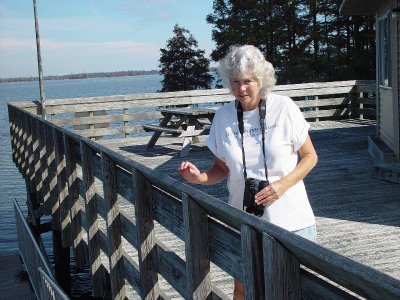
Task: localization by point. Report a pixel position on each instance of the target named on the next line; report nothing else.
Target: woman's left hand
(270, 193)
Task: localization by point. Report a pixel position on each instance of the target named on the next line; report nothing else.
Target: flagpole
(39, 59)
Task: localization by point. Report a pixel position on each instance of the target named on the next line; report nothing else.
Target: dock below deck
(357, 215)
(14, 283)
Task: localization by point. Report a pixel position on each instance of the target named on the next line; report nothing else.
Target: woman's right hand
(189, 172)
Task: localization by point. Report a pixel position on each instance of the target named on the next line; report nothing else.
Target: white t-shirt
(286, 131)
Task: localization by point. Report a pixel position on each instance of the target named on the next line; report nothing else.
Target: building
(384, 147)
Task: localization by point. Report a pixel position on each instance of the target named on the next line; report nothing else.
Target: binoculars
(252, 187)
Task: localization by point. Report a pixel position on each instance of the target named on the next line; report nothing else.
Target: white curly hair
(240, 60)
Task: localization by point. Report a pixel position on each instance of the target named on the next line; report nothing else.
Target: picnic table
(185, 122)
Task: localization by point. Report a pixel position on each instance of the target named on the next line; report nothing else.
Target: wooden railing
(106, 207)
(121, 116)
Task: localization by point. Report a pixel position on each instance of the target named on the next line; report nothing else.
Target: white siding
(386, 117)
(397, 94)
(388, 102)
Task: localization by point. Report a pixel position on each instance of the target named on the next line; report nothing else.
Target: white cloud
(113, 47)
(16, 45)
(52, 45)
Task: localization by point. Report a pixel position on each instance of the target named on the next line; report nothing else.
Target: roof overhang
(360, 7)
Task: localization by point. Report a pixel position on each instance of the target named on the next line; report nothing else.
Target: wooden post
(24, 146)
(42, 170)
(98, 274)
(14, 119)
(30, 176)
(62, 188)
(27, 144)
(281, 271)
(28, 170)
(91, 126)
(77, 230)
(44, 165)
(36, 159)
(34, 196)
(316, 109)
(117, 270)
(361, 106)
(31, 153)
(22, 142)
(197, 250)
(14, 141)
(11, 124)
(125, 115)
(62, 267)
(31, 204)
(252, 264)
(145, 233)
(55, 194)
(18, 140)
(64, 201)
(54, 182)
(351, 106)
(39, 170)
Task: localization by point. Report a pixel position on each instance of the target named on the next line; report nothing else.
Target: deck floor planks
(13, 283)
(357, 215)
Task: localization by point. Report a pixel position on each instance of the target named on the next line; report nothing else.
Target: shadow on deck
(357, 215)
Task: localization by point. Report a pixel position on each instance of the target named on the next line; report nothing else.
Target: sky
(95, 35)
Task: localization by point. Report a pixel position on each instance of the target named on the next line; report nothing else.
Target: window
(384, 60)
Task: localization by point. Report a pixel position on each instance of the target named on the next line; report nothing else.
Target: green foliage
(183, 65)
(305, 40)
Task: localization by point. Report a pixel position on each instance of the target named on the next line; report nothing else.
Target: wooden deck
(14, 282)
(357, 215)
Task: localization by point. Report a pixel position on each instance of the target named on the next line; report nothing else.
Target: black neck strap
(262, 112)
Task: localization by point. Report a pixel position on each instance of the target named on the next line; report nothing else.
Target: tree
(183, 65)
(305, 40)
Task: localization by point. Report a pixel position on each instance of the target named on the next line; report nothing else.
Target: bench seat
(162, 129)
(180, 132)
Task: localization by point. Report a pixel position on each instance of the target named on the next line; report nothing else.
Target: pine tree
(305, 40)
(233, 25)
(183, 65)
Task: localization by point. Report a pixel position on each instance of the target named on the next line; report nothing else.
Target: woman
(247, 146)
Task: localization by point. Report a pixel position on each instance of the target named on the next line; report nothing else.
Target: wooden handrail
(121, 115)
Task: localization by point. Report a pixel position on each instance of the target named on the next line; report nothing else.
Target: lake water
(12, 185)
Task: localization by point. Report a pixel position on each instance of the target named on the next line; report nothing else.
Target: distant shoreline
(82, 76)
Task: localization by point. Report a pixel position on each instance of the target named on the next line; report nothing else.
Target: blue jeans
(309, 233)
